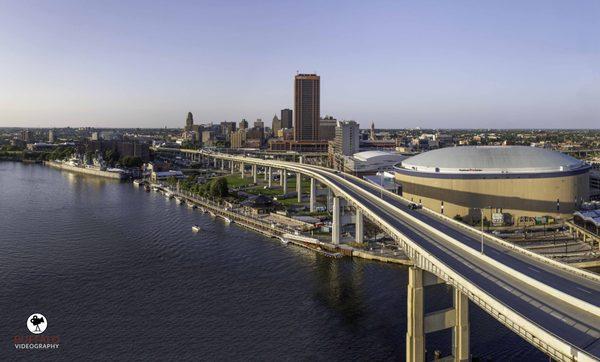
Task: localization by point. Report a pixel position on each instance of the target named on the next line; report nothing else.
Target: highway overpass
(553, 306)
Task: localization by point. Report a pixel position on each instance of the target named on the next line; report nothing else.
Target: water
(119, 275)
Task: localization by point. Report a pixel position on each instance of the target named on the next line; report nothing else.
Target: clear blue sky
(398, 63)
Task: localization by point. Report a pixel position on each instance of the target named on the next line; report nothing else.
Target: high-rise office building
(327, 128)
(189, 122)
(243, 124)
(307, 107)
(259, 123)
(276, 125)
(286, 118)
(346, 138)
(51, 136)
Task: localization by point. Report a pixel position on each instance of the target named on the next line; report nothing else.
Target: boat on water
(138, 182)
(147, 188)
(168, 195)
(191, 206)
(179, 200)
(227, 220)
(196, 228)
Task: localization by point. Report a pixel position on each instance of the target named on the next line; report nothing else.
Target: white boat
(191, 206)
(168, 195)
(196, 228)
(137, 182)
(227, 220)
(179, 200)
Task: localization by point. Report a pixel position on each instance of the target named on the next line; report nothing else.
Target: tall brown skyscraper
(307, 107)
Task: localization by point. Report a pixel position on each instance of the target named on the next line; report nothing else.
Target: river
(119, 275)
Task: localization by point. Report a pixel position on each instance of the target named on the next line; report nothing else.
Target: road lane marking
(584, 290)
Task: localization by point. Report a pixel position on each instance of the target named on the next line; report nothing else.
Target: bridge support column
(242, 166)
(299, 186)
(265, 173)
(254, 174)
(415, 331)
(270, 177)
(284, 181)
(460, 336)
(359, 231)
(232, 167)
(418, 324)
(313, 194)
(335, 221)
(281, 172)
(215, 162)
(223, 164)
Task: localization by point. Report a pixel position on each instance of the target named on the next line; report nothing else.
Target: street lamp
(481, 209)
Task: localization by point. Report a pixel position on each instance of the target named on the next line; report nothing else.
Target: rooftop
(492, 160)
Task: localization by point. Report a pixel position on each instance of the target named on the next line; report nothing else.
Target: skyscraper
(286, 118)
(243, 124)
(276, 125)
(346, 140)
(189, 122)
(307, 107)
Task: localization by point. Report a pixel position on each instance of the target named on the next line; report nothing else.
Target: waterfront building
(307, 103)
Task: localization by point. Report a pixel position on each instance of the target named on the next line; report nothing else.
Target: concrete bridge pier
(270, 177)
(254, 174)
(284, 181)
(215, 162)
(232, 167)
(281, 172)
(313, 194)
(223, 164)
(336, 221)
(418, 323)
(265, 173)
(359, 231)
(299, 186)
(242, 166)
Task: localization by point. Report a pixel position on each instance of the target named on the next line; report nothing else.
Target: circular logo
(37, 323)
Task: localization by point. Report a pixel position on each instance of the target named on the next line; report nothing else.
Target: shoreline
(285, 236)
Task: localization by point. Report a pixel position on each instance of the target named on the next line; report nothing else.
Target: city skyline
(428, 65)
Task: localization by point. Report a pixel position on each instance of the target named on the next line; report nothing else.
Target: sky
(400, 64)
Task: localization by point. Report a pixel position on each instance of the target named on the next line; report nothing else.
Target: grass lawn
(237, 181)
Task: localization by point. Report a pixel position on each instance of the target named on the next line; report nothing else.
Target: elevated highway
(553, 306)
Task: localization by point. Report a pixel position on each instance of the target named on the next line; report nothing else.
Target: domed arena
(518, 182)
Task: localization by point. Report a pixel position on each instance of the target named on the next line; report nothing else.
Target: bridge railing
(504, 243)
(540, 337)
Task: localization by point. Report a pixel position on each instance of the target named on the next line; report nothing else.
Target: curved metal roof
(369, 155)
(492, 160)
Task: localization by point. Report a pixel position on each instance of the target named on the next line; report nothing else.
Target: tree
(129, 161)
(219, 187)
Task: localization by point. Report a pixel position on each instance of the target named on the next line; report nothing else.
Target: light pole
(481, 209)
(481, 230)
(381, 182)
